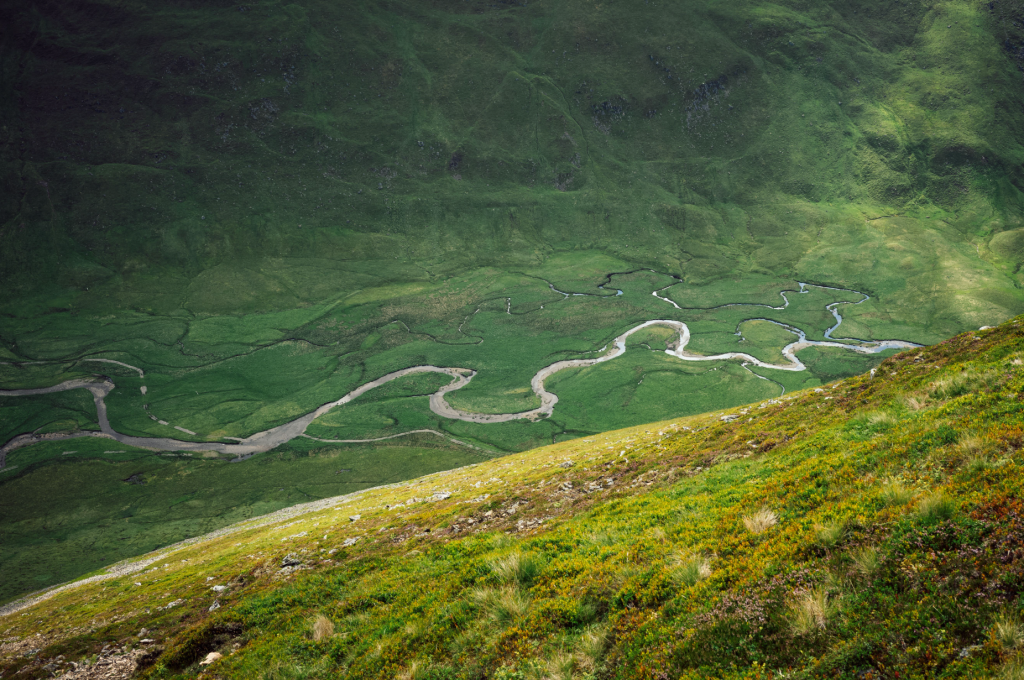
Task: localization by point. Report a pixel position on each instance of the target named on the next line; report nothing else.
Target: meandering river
(274, 437)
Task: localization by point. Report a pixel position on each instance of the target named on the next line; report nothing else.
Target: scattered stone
(219, 589)
(290, 560)
(210, 658)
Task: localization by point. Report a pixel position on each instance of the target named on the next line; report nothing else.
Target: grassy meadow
(263, 206)
(866, 528)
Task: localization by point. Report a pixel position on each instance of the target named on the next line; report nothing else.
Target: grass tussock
(914, 402)
(828, 536)
(760, 521)
(411, 671)
(561, 665)
(1008, 632)
(289, 671)
(959, 384)
(895, 494)
(976, 451)
(591, 648)
(812, 611)
(866, 561)
(977, 465)
(321, 628)
(690, 568)
(516, 568)
(504, 606)
(973, 445)
(582, 660)
(936, 507)
(1012, 669)
(880, 419)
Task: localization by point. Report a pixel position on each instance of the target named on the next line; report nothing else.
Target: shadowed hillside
(163, 139)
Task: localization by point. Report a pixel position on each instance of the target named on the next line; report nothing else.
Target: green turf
(264, 206)
(70, 507)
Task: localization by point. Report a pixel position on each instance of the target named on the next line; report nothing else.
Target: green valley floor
(869, 527)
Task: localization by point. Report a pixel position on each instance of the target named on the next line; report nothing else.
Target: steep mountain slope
(870, 528)
(246, 211)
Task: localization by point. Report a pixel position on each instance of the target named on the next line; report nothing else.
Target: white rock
(210, 658)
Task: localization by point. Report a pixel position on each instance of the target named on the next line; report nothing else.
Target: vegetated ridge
(867, 528)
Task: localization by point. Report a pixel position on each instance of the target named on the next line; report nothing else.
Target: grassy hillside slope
(870, 528)
(262, 206)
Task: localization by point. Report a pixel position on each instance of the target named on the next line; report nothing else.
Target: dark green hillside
(256, 208)
(874, 145)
